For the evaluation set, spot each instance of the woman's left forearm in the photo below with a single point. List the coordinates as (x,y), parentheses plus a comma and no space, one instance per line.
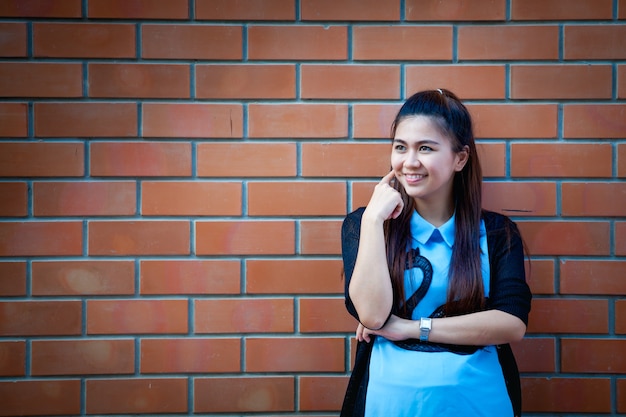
(491,327)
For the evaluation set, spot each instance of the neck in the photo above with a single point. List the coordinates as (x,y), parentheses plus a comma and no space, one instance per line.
(435,214)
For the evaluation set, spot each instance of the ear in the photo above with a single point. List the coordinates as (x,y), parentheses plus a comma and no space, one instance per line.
(461,158)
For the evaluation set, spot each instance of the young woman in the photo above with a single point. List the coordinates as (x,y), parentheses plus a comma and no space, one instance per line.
(436,283)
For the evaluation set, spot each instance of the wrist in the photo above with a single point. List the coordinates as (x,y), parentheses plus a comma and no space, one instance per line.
(425,328)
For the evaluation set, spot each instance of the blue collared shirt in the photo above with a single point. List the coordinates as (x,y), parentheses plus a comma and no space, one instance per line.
(405,383)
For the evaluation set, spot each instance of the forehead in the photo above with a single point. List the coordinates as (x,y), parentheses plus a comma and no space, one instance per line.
(420,128)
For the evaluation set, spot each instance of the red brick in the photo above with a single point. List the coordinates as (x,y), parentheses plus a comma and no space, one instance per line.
(142,237)
(140,159)
(54,278)
(84,198)
(85,119)
(520,198)
(136,396)
(297,43)
(236,159)
(37,79)
(457,10)
(138,9)
(299,354)
(296,198)
(508,42)
(250,10)
(298,121)
(620,238)
(294,276)
(40,318)
(13,120)
(621,80)
(595,121)
(41,8)
(84,40)
(566,237)
(562,10)
(13,199)
(535,354)
(466,81)
(345,159)
(361,194)
(350,10)
(195,120)
(593,356)
(245,238)
(82,357)
(593,199)
(234,315)
(621,383)
(191,42)
(561,81)
(40,397)
(320,237)
(238,81)
(350,81)
(136,316)
(540,276)
(139,80)
(35,238)
(325,315)
(620,316)
(192,198)
(569,316)
(373,120)
(190,355)
(561,160)
(322,393)
(167,277)
(621,161)
(622,9)
(566,395)
(402,43)
(589,42)
(514,120)
(12,358)
(40,159)
(492,156)
(12,280)
(244,394)
(13,40)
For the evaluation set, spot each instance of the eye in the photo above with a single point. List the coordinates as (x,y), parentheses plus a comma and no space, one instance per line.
(425,148)
(399,147)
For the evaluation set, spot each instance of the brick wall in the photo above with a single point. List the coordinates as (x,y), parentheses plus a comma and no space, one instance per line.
(173,175)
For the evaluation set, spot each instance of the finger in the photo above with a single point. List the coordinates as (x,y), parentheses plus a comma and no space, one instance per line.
(387,178)
(359,333)
(398,210)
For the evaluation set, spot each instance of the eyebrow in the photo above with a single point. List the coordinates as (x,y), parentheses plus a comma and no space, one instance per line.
(418,143)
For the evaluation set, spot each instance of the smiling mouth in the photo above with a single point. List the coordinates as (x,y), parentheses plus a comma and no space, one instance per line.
(413,177)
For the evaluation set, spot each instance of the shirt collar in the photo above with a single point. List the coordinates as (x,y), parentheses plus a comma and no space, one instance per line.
(422,231)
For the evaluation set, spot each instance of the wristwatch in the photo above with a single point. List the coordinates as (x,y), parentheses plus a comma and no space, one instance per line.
(425,326)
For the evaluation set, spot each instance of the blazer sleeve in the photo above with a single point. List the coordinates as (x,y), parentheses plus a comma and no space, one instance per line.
(509,291)
(350,233)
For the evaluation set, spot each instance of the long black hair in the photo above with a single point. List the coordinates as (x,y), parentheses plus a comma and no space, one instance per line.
(465,289)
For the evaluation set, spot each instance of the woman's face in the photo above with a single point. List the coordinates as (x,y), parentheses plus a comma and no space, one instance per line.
(423,160)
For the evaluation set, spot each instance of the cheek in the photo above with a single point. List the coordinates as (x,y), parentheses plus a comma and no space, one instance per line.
(396,162)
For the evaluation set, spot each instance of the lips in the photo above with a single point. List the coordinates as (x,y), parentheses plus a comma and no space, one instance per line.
(413,178)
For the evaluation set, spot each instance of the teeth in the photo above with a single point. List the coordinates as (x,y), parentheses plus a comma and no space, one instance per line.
(414,176)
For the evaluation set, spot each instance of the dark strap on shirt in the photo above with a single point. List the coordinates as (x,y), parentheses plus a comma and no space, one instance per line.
(415,260)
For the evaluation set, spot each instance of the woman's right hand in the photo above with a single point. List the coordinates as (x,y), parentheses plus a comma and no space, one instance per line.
(386,202)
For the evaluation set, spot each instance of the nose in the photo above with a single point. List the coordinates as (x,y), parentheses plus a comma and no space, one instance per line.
(412,159)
